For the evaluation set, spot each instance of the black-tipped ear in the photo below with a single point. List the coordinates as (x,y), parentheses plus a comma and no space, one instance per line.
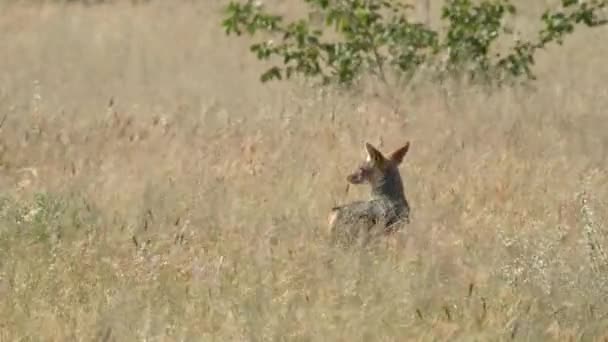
(398,155)
(373,154)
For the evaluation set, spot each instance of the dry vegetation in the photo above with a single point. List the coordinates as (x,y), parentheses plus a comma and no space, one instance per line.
(152,189)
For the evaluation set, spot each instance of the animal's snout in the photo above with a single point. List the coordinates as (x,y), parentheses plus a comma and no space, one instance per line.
(358,176)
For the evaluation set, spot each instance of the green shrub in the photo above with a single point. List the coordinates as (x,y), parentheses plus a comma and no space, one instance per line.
(45,218)
(373,36)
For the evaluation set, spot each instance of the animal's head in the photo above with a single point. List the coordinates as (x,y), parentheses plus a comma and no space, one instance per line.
(376,166)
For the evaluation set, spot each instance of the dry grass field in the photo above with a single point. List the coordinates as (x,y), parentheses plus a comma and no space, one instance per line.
(153,190)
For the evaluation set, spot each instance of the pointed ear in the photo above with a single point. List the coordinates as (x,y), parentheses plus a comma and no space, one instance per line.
(398,155)
(373,154)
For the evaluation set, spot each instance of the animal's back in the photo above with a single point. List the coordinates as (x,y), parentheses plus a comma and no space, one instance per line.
(362,219)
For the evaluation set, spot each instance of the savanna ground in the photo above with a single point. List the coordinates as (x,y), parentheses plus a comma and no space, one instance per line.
(153,189)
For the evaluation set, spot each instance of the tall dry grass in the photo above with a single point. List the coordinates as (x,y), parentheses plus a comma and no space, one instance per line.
(152,189)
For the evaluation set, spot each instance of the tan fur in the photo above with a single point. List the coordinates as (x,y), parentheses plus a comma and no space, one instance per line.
(331,220)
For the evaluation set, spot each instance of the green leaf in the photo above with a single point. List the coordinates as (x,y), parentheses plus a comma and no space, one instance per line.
(273,73)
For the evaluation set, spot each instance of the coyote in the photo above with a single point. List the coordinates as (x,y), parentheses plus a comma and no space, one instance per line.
(384,211)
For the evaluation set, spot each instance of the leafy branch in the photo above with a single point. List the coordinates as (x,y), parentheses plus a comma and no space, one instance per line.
(354,37)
